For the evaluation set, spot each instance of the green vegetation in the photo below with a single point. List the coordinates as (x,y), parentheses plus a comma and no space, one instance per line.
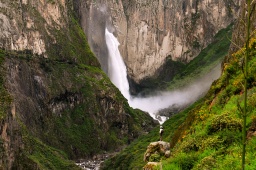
(207,59)
(208,135)
(5,101)
(132,156)
(214,138)
(245,71)
(78,130)
(38,155)
(72,48)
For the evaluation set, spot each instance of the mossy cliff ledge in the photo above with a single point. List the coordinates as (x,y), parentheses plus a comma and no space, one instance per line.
(56,103)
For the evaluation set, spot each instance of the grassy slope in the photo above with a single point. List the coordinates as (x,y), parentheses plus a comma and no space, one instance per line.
(213,141)
(50,158)
(5,99)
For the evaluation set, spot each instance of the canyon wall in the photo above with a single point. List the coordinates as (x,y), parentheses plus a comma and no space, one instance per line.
(150,32)
(56,104)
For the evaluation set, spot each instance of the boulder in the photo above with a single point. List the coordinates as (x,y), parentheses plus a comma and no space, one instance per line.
(160,147)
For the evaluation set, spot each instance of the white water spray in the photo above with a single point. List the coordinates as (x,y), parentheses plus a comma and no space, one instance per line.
(116,67)
(118,76)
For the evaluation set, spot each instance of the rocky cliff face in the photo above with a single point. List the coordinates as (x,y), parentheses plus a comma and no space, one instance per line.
(55,103)
(150,31)
(20,28)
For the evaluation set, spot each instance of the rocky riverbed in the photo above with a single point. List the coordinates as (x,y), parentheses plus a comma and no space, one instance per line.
(95,162)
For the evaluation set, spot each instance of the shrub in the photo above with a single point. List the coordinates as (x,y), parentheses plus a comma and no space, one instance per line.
(229,137)
(206,163)
(211,142)
(224,121)
(185,162)
(189,145)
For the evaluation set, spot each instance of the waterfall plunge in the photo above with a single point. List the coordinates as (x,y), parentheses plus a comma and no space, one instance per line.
(118,76)
(116,67)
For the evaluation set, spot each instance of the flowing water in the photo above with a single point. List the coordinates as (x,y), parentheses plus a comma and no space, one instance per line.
(116,67)
(152,104)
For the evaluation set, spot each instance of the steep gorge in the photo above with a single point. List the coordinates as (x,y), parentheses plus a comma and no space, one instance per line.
(56,103)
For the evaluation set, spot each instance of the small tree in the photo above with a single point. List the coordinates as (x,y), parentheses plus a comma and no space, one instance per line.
(244,111)
(245,81)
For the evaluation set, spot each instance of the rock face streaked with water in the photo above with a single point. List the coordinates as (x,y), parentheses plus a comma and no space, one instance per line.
(150,31)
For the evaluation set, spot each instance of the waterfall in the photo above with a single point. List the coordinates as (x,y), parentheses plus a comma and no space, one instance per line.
(116,67)
(152,104)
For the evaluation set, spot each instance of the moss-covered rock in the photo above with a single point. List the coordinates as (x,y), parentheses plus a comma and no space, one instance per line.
(156,150)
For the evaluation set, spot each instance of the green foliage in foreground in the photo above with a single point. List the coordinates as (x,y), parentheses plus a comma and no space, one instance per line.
(214,139)
(207,59)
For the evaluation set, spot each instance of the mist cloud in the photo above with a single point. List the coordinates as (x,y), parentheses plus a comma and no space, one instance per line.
(180,97)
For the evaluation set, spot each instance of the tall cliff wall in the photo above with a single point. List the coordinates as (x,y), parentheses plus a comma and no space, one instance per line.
(55,102)
(150,31)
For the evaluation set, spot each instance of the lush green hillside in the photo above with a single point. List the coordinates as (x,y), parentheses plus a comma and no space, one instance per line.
(47,138)
(214,139)
(210,137)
